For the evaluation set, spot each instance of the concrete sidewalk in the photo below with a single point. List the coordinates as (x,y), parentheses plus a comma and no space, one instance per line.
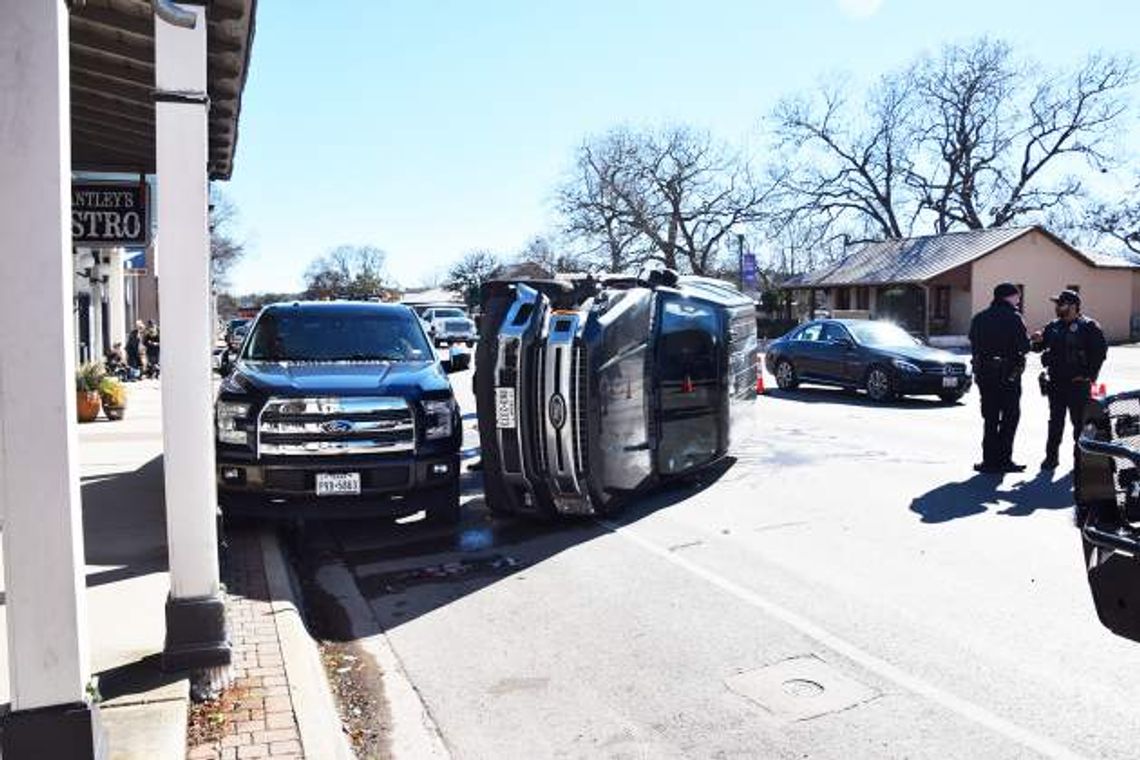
(145,711)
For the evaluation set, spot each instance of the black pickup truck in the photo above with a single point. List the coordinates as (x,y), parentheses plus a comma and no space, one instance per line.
(591,391)
(337,409)
(1106,488)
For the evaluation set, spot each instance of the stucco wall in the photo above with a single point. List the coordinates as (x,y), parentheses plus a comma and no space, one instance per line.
(958,280)
(1044,268)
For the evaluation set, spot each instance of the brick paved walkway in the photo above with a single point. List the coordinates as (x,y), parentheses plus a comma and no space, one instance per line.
(254,717)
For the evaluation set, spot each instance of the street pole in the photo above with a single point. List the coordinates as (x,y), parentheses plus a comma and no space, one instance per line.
(740,259)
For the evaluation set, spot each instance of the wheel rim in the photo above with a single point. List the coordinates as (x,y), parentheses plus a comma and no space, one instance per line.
(784,374)
(878,384)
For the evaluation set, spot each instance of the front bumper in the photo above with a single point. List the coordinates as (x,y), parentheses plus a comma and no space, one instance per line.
(390,486)
(930,384)
(454,337)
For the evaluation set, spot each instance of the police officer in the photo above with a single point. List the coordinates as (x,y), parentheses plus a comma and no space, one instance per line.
(999,342)
(1074,349)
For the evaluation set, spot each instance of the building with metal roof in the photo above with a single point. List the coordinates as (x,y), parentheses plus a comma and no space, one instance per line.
(934,284)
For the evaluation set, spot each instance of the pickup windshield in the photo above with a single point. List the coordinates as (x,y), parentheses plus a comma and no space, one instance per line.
(331,337)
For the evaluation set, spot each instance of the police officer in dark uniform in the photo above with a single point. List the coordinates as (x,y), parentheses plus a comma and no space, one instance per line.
(1074,350)
(999,342)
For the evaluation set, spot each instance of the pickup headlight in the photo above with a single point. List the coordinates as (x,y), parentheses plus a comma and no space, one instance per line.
(437,416)
(229,414)
(905,366)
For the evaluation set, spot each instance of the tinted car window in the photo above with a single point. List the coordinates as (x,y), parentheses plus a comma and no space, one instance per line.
(833,332)
(332,336)
(810,333)
(448,314)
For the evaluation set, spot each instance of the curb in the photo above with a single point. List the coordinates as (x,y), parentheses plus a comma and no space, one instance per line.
(313,706)
(414,733)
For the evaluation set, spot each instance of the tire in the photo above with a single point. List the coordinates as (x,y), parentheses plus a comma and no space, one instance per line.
(786,378)
(880,384)
(446,510)
(951,398)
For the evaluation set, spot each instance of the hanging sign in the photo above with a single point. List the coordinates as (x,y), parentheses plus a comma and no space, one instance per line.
(107,215)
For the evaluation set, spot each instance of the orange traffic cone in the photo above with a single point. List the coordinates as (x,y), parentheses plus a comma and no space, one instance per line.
(1098,391)
(759,383)
(687,386)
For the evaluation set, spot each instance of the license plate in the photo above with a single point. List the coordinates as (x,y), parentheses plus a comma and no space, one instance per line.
(338,483)
(505,408)
(949,382)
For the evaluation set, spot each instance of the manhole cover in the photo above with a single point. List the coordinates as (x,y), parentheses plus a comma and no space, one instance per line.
(800,689)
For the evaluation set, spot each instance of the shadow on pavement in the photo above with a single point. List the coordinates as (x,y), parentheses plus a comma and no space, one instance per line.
(853,398)
(139,677)
(407,570)
(124,523)
(979,493)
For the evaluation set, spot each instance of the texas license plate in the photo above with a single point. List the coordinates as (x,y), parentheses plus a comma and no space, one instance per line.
(505,408)
(949,382)
(338,483)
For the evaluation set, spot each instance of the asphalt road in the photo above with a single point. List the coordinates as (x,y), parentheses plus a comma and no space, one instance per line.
(847,588)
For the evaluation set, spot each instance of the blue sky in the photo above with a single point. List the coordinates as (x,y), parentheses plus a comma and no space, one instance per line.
(433,127)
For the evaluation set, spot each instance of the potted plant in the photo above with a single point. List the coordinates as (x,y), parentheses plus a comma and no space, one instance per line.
(113,394)
(87,379)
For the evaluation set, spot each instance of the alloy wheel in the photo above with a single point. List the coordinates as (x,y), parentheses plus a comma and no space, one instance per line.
(785,375)
(878,385)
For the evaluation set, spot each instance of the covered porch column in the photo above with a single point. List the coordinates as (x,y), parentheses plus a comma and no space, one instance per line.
(116,295)
(39,482)
(196,636)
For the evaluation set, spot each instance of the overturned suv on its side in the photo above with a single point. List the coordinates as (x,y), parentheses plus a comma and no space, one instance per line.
(590,391)
(337,409)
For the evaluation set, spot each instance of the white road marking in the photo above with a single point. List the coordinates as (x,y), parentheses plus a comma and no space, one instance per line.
(880,667)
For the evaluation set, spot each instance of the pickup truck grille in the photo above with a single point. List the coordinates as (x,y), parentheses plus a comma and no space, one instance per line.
(335,426)
(457,326)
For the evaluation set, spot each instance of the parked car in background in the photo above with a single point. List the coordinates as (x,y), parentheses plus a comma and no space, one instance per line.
(879,357)
(337,409)
(233,326)
(447,325)
(235,334)
(591,392)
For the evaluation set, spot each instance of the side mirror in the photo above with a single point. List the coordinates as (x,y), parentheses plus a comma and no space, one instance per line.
(457,361)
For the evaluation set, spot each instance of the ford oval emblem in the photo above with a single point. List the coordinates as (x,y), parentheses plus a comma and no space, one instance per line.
(557,411)
(337,426)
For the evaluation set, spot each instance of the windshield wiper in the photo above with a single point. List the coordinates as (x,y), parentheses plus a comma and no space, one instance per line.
(373,358)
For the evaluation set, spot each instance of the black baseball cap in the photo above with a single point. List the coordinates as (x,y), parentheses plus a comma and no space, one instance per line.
(1067,296)
(1005,290)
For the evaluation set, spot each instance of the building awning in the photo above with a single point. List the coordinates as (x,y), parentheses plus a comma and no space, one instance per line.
(112,83)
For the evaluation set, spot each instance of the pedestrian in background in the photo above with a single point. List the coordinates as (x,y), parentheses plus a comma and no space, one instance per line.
(999,342)
(1073,350)
(136,356)
(151,342)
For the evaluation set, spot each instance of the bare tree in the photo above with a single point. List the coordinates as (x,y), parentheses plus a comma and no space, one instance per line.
(225,248)
(468,274)
(348,271)
(673,196)
(594,213)
(971,138)
(1117,221)
(844,174)
(543,251)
